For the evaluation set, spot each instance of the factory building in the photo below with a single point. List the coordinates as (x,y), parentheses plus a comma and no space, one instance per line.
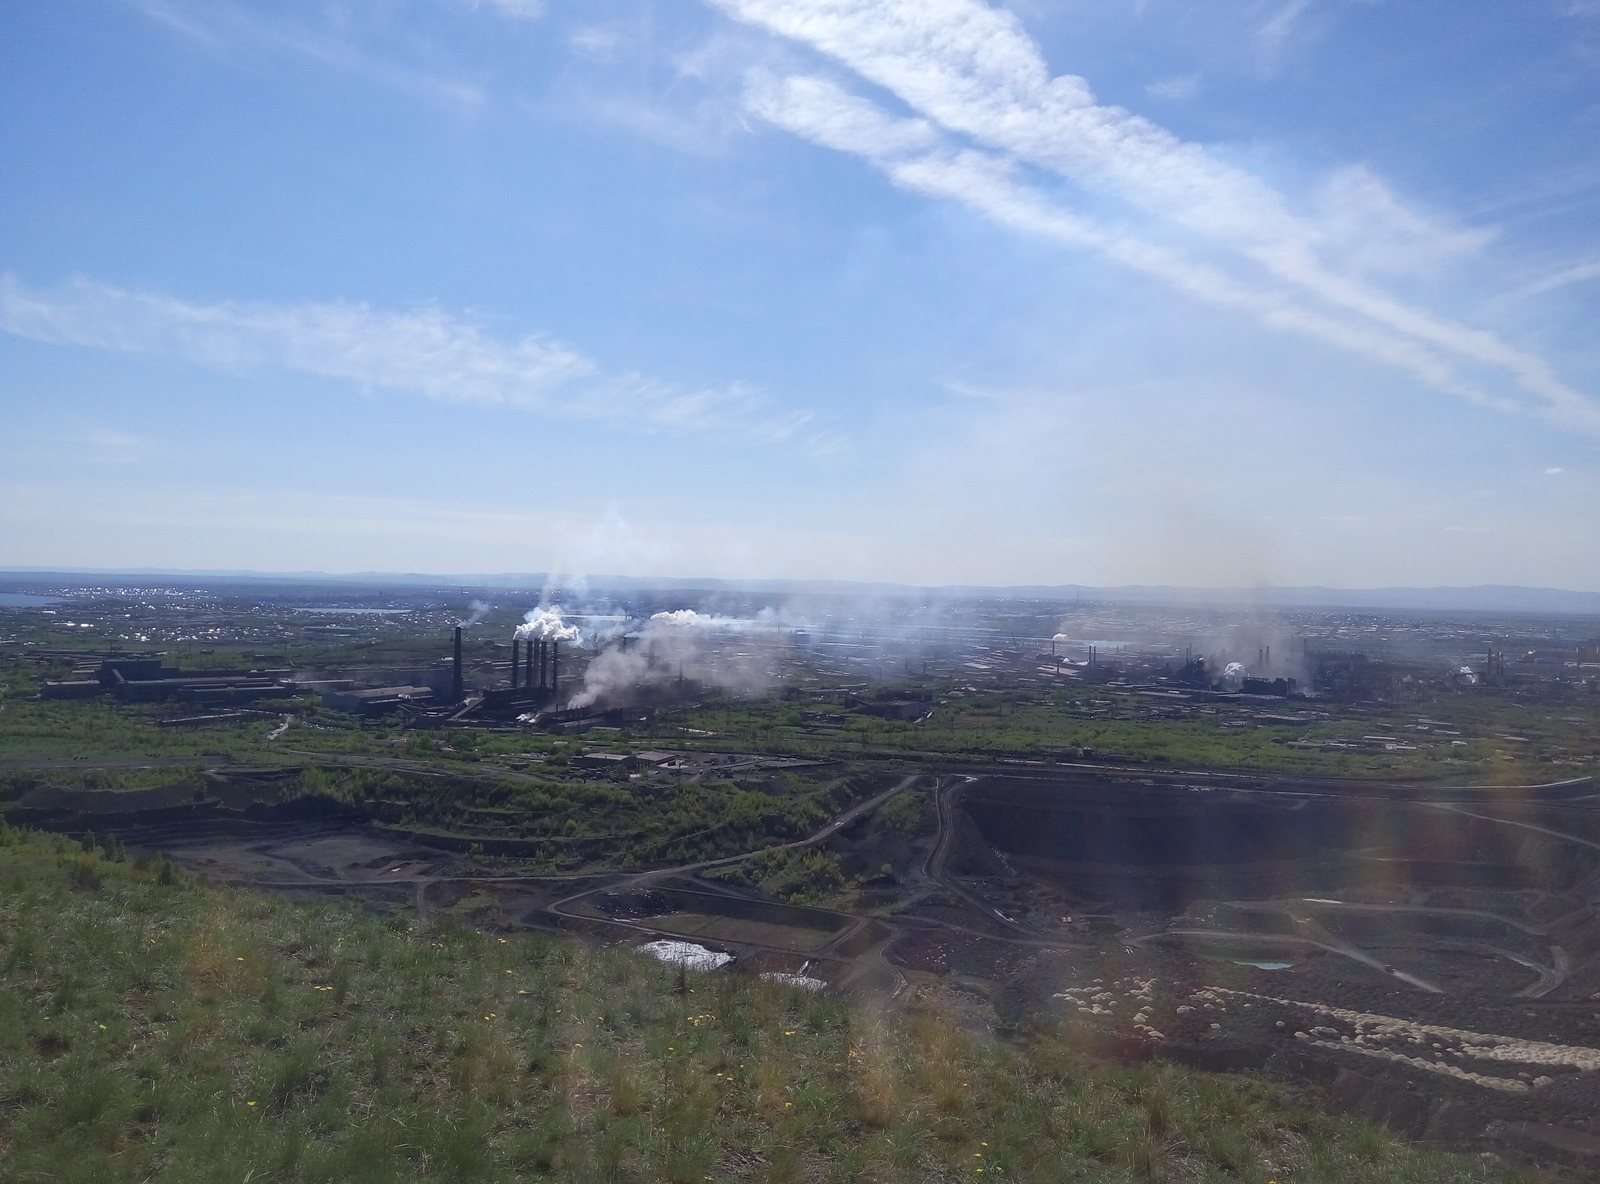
(143,679)
(377,700)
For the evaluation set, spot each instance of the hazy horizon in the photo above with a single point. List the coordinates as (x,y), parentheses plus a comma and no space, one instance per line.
(553,586)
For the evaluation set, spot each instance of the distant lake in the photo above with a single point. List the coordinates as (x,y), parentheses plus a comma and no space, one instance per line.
(371,611)
(21,600)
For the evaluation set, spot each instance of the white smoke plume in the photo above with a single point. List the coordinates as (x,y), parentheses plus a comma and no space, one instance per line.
(688,618)
(476,611)
(545,624)
(675,644)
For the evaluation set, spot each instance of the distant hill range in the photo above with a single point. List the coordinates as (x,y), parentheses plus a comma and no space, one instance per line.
(1503,598)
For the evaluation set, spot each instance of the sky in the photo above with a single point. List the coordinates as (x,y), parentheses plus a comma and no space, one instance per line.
(1242,293)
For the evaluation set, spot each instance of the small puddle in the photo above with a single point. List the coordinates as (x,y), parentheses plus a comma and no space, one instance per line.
(1264,965)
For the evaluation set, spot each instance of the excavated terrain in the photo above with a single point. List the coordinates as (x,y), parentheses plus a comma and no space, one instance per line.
(1431,955)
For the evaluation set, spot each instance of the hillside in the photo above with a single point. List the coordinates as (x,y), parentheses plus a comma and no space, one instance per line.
(169,1030)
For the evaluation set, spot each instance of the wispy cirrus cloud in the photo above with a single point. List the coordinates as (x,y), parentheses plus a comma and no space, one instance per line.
(227,27)
(426,352)
(522,10)
(1576,274)
(1270,39)
(991,124)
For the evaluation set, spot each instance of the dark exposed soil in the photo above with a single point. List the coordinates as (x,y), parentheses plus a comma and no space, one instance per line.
(1430,958)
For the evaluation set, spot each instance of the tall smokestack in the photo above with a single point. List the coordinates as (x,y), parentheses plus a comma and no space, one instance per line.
(544,650)
(555,666)
(528,681)
(457,687)
(516,661)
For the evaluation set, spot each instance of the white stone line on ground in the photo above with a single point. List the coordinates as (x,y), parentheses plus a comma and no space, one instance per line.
(1479,1045)
(1505,1084)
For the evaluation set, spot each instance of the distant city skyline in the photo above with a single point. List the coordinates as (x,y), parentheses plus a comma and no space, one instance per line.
(1296,293)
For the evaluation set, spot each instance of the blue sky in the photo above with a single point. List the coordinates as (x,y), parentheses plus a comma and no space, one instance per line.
(1287,292)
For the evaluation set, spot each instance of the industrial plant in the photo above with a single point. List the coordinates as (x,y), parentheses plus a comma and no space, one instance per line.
(1213,836)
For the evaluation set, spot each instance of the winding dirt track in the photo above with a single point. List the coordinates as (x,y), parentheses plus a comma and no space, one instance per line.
(851,924)
(871,965)
(867,966)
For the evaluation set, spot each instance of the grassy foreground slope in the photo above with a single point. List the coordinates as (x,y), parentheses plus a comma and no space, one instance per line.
(171,1031)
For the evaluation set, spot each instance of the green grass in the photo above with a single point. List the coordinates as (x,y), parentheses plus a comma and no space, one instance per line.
(563,819)
(1559,725)
(184,1033)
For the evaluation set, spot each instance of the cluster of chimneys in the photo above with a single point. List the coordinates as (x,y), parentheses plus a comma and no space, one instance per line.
(549,666)
(549,657)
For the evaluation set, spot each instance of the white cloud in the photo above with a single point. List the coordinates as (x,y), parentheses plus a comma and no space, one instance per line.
(1275,33)
(111,446)
(596,41)
(524,10)
(1554,472)
(990,110)
(1362,221)
(426,352)
(915,156)
(1179,89)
